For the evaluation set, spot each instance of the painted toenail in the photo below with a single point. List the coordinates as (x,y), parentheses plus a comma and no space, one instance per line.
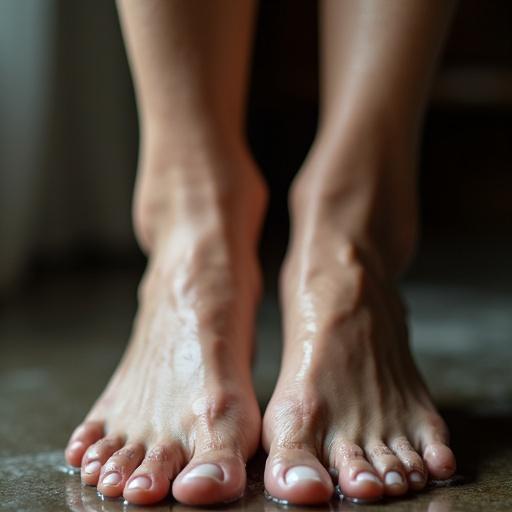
(416,477)
(141,482)
(298,474)
(366,476)
(111,479)
(206,471)
(92,467)
(75,446)
(393,478)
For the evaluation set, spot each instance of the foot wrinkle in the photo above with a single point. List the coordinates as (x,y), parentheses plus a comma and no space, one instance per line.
(198,297)
(364,375)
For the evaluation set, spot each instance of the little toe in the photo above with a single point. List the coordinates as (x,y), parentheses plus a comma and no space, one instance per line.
(389,468)
(214,476)
(151,481)
(84,435)
(297,476)
(439,460)
(411,461)
(438,457)
(96,455)
(119,468)
(358,479)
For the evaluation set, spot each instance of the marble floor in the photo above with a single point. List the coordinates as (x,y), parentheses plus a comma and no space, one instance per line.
(60,340)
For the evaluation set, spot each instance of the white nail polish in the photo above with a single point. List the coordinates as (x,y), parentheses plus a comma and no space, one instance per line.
(299,474)
(111,479)
(416,477)
(366,476)
(92,453)
(393,478)
(206,471)
(141,482)
(92,467)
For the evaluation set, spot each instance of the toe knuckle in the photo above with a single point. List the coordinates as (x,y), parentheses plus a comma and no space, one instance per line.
(379,451)
(348,451)
(158,454)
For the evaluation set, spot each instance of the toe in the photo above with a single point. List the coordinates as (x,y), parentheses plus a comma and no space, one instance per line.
(297,476)
(440,460)
(214,476)
(389,468)
(358,479)
(438,457)
(150,482)
(96,455)
(84,435)
(411,461)
(119,468)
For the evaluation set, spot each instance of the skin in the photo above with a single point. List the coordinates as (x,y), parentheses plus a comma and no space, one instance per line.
(182,395)
(349,396)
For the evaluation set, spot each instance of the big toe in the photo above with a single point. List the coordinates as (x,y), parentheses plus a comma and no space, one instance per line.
(297,476)
(440,460)
(216,476)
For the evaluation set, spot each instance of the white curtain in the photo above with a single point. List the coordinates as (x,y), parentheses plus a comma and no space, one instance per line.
(67,132)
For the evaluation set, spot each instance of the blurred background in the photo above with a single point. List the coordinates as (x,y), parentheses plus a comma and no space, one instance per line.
(69,264)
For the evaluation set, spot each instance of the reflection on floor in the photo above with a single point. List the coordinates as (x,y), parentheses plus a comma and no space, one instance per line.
(59,344)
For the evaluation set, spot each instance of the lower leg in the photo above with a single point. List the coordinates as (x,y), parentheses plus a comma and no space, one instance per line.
(349,395)
(181,407)
(376,68)
(190,65)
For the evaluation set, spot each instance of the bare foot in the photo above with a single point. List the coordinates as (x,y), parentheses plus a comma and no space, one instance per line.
(349,396)
(180,407)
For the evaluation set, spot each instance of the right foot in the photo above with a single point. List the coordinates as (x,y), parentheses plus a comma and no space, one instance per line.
(180,406)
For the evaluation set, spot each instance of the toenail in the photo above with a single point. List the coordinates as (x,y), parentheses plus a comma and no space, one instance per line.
(92,467)
(92,453)
(141,482)
(111,479)
(76,446)
(393,478)
(206,471)
(366,476)
(416,477)
(298,474)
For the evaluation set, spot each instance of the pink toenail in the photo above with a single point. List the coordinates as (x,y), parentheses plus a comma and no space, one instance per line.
(75,446)
(416,477)
(366,476)
(206,471)
(393,478)
(111,479)
(92,467)
(300,474)
(141,482)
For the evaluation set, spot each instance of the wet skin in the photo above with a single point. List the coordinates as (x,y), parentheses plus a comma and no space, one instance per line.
(180,408)
(349,396)
(180,412)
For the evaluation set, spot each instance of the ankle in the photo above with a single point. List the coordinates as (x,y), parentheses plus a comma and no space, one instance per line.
(366,198)
(212,182)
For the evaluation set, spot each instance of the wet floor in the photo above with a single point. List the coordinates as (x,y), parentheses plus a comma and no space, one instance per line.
(60,342)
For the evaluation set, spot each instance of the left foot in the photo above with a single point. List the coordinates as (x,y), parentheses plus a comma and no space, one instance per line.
(349,395)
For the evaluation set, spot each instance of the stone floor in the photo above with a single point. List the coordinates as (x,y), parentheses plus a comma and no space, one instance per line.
(60,341)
